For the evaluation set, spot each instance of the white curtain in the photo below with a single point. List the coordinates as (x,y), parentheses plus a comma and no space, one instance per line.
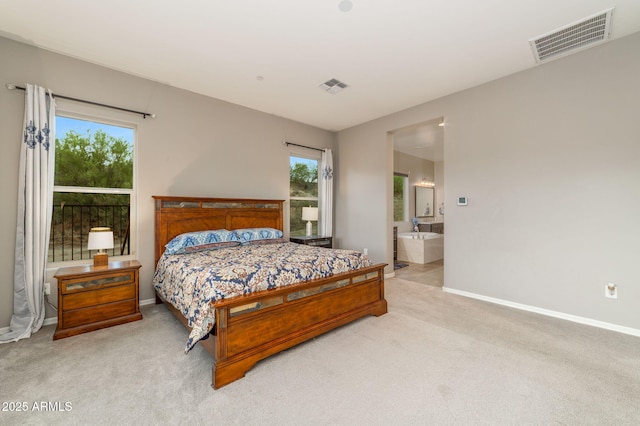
(35,193)
(325,224)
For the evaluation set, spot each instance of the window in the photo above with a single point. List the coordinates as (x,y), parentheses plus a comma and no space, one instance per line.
(303,192)
(400,197)
(93,186)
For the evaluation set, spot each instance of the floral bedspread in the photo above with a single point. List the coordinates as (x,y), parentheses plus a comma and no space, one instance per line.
(190,282)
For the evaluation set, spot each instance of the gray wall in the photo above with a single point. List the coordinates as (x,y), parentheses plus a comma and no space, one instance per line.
(550,161)
(196,146)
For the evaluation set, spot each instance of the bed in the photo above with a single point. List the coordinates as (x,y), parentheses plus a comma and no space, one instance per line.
(250,327)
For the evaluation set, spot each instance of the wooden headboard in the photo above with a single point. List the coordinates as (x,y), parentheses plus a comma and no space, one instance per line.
(177,215)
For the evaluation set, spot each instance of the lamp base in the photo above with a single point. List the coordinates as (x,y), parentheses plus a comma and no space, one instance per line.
(101,259)
(309,228)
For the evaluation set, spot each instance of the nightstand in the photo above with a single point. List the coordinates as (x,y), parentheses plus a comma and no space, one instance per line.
(94,297)
(313,240)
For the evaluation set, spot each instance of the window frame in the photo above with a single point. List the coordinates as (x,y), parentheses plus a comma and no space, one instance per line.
(133,210)
(307,156)
(405,196)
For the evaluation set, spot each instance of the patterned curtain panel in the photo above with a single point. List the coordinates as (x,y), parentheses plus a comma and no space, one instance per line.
(35,195)
(325,189)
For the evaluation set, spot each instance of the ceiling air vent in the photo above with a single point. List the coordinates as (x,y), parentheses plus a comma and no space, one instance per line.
(585,33)
(333,86)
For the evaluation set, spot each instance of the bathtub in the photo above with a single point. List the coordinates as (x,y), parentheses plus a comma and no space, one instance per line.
(420,247)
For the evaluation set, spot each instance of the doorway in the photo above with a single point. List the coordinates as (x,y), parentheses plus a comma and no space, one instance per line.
(418,153)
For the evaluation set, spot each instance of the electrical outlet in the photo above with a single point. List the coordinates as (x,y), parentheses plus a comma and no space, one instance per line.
(365,251)
(611,291)
(47,289)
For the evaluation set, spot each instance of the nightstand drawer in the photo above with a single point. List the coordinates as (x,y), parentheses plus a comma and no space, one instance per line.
(98,313)
(84,284)
(99,297)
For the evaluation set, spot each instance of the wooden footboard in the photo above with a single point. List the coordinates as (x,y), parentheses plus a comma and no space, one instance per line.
(253,327)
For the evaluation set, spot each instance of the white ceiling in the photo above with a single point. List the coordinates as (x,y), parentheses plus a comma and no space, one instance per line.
(393,54)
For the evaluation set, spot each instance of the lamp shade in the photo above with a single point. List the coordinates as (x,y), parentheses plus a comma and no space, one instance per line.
(309,213)
(100,239)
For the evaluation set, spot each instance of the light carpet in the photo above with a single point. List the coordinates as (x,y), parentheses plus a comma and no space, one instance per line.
(434,359)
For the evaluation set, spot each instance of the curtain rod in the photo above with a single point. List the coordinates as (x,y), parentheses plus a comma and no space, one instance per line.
(301,146)
(143,114)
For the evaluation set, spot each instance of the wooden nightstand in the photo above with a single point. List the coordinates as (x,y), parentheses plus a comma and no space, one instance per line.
(313,240)
(93,297)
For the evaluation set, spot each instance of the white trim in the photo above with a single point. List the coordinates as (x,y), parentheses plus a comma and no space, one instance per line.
(547,312)
(304,153)
(76,112)
(54,266)
(147,302)
(93,190)
(54,320)
(47,321)
(304,156)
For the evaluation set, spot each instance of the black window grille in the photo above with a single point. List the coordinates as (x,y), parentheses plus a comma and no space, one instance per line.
(70,230)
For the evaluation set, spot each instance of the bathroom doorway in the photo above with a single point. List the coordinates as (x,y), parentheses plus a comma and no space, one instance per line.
(418,154)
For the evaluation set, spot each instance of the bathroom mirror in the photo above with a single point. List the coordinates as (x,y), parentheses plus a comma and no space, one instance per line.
(424,201)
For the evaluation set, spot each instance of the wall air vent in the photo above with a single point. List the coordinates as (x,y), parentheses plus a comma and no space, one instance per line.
(333,86)
(580,35)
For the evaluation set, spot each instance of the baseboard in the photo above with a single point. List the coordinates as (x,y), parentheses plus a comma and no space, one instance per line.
(54,320)
(47,321)
(547,312)
(147,302)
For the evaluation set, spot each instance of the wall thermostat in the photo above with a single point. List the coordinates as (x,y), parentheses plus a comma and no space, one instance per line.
(462,201)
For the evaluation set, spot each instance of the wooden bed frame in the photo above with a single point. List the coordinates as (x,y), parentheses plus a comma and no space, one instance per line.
(252,327)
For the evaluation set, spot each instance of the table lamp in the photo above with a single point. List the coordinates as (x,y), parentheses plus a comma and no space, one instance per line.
(309,214)
(100,239)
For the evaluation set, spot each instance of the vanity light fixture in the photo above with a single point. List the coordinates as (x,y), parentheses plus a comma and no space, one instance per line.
(426,183)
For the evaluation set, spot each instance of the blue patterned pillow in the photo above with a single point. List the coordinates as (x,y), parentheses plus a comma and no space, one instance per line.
(191,241)
(251,234)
